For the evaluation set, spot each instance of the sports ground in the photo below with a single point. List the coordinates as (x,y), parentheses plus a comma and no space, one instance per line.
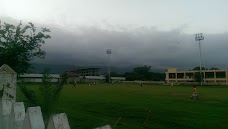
(129,106)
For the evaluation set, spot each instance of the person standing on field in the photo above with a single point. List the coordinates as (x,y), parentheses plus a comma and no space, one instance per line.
(194,93)
(74,84)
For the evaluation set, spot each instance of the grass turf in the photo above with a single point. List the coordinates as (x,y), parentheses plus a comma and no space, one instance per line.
(147,107)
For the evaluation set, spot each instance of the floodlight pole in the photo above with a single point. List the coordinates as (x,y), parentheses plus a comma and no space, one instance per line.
(199,37)
(109,53)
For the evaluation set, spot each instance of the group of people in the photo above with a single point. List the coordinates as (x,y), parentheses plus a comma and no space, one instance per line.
(194,94)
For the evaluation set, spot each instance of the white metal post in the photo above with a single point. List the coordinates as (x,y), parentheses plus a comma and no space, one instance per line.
(109,52)
(200,64)
(109,68)
(199,37)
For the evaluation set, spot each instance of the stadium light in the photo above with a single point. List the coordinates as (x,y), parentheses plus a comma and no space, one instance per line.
(109,53)
(199,37)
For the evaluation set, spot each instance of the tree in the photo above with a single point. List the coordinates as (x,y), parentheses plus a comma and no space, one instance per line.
(138,73)
(197,77)
(107,78)
(48,94)
(213,68)
(198,68)
(21,44)
(115,74)
(143,73)
(142,70)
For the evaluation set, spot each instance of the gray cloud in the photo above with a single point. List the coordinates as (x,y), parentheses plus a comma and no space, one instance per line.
(86,45)
(142,46)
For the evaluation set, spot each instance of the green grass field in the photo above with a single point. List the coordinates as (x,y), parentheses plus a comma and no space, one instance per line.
(147,107)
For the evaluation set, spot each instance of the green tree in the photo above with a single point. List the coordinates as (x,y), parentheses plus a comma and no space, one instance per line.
(143,73)
(157,76)
(142,70)
(21,44)
(106,77)
(197,77)
(198,68)
(115,74)
(138,73)
(48,94)
(213,68)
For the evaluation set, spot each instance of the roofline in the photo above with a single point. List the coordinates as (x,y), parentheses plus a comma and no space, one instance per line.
(199,71)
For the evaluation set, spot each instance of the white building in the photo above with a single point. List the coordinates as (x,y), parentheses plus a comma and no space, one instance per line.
(37,78)
(118,79)
(71,78)
(100,78)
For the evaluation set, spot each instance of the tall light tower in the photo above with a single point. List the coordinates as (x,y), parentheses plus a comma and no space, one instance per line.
(109,53)
(199,37)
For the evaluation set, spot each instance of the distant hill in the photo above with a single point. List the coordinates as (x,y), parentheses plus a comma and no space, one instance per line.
(60,69)
(56,69)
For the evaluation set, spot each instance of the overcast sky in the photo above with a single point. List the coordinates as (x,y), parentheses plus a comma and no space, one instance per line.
(159,33)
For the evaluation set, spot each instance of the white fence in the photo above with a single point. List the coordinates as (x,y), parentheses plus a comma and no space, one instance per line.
(12,113)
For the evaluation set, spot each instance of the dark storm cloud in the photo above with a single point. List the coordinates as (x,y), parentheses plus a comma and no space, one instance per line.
(141,46)
(86,45)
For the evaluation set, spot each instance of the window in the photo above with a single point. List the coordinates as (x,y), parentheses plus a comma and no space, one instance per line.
(172,75)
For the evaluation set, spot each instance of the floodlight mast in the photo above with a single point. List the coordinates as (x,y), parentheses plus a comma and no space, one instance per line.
(109,53)
(199,37)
